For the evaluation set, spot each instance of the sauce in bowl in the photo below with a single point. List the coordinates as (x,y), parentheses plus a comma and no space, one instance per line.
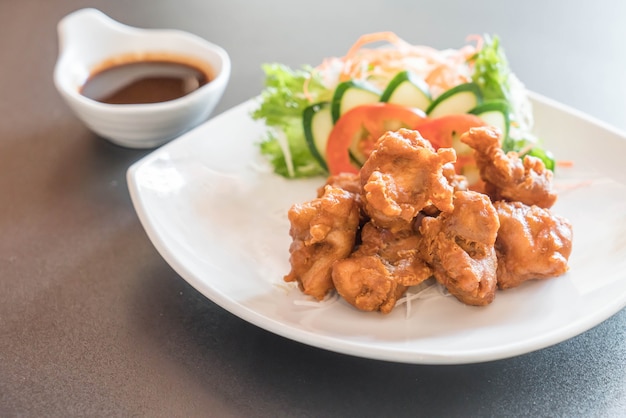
(150,78)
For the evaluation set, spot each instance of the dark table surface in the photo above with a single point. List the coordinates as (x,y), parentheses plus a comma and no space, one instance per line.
(93,322)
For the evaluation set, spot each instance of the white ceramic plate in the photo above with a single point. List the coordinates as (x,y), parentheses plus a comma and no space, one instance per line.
(218,217)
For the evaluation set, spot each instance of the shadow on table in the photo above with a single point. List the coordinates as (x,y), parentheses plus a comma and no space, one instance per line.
(264,374)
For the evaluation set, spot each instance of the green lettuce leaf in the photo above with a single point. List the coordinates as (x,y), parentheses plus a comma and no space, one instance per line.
(282,103)
(492,71)
(497,82)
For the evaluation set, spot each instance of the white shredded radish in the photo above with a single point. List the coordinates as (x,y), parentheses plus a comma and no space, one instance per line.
(314,303)
(425,290)
(285,287)
(281,138)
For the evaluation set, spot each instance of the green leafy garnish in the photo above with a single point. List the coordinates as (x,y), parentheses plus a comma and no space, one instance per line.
(491,70)
(544,155)
(282,102)
(497,82)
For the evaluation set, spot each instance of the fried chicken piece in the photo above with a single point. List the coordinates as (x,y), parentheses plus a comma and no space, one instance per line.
(457,181)
(399,250)
(350,182)
(323,231)
(507,176)
(365,283)
(459,246)
(403,175)
(378,273)
(532,243)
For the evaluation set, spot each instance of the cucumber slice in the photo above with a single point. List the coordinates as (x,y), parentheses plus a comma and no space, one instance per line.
(356,156)
(457,100)
(350,94)
(355,149)
(317,122)
(495,113)
(408,90)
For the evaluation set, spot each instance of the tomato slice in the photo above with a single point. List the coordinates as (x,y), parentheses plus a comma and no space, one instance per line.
(444,131)
(360,128)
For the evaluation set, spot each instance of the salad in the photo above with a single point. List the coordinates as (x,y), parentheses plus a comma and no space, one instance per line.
(326,119)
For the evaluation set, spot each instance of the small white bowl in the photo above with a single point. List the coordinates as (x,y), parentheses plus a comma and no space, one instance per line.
(88,38)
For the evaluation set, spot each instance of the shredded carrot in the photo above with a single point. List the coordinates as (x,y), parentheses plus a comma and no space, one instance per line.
(390,37)
(477,38)
(305,89)
(440,69)
(445,77)
(565,163)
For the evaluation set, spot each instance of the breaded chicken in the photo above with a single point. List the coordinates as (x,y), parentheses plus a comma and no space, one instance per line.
(532,243)
(506,175)
(407,216)
(378,273)
(323,231)
(457,181)
(403,175)
(350,182)
(459,246)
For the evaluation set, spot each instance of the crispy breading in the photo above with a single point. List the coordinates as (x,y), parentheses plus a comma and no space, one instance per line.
(378,273)
(459,245)
(402,176)
(532,243)
(323,231)
(506,175)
